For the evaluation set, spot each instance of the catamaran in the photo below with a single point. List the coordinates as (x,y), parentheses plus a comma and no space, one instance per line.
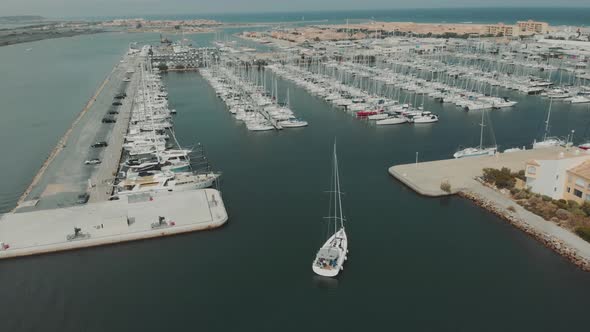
(480,150)
(330,258)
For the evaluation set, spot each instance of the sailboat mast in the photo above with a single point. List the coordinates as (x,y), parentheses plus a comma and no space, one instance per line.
(548,117)
(339,214)
(483,112)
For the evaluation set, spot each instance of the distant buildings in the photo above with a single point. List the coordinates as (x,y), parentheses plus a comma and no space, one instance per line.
(522,28)
(531,27)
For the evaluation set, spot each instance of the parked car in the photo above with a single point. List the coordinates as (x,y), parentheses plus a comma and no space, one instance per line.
(117,103)
(92,162)
(108,120)
(100,144)
(113,112)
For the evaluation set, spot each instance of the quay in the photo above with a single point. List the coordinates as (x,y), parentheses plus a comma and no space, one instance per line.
(128,219)
(67,205)
(425,178)
(64,175)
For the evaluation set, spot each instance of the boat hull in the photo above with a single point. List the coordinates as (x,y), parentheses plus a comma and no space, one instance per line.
(338,241)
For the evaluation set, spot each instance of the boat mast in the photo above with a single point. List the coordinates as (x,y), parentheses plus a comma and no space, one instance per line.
(339,214)
(483,112)
(548,117)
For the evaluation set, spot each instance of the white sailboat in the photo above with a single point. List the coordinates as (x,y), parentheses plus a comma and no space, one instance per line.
(548,142)
(480,150)
(330,258)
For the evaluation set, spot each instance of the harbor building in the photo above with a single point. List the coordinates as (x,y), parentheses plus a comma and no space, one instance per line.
(531,27)
(556,177)
(499,29)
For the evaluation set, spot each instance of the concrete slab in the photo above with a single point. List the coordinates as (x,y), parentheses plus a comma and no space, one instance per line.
(425,178)
(44,231)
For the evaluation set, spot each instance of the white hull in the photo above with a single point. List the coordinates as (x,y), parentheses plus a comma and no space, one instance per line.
(474,152)
(391,121)
(338,244)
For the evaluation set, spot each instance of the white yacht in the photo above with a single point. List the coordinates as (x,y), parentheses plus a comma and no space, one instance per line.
(330,258)
(165,181)
(425,117)
(392,121)
(480,150)
(293,123)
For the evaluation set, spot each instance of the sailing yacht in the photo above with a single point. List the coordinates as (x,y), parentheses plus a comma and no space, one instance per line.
(330,258)
(548,142)
(477,151)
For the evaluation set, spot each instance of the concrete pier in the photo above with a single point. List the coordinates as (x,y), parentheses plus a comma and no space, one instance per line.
(64,176)
(109,222)
(426,178)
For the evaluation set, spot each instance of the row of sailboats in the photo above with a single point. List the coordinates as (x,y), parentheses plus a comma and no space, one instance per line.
(481,150)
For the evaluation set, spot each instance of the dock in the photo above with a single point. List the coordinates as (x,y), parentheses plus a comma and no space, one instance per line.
(109,222)
(426,178)
(68,206)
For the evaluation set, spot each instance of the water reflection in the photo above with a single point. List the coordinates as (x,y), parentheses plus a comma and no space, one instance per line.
(325,282)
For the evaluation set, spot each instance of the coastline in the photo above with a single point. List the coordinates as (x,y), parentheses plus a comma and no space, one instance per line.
(522,223)
(44,36)
(60,144)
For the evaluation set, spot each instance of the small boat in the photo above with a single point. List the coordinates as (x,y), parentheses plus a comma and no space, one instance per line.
(330,258)
(392,121)
(426,117)
(378,116)
(362,114)
(293,123)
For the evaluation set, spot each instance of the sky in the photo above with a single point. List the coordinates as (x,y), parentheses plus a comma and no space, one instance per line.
(88,8)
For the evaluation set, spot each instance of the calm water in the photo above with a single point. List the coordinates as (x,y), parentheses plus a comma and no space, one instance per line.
(555,16)
(415,263)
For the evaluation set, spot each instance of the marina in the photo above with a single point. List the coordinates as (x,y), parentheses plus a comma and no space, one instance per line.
(178,160)
(85,183)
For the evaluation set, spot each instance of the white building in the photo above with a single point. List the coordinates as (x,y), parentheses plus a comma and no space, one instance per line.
(548,177)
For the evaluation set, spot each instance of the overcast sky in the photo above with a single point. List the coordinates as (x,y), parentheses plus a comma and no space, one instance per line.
(69,8)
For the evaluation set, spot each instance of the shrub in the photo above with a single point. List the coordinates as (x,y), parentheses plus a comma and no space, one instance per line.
(583,232)
(578,212)
(522,195)
(501,178)
(445,186)
(562,204)
(572,204)
(546,198)
(511,208)
(514,191)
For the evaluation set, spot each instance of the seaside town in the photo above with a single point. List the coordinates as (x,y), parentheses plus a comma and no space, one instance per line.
(439,147)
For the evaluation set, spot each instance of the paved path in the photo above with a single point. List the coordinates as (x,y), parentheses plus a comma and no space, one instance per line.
(64,176)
